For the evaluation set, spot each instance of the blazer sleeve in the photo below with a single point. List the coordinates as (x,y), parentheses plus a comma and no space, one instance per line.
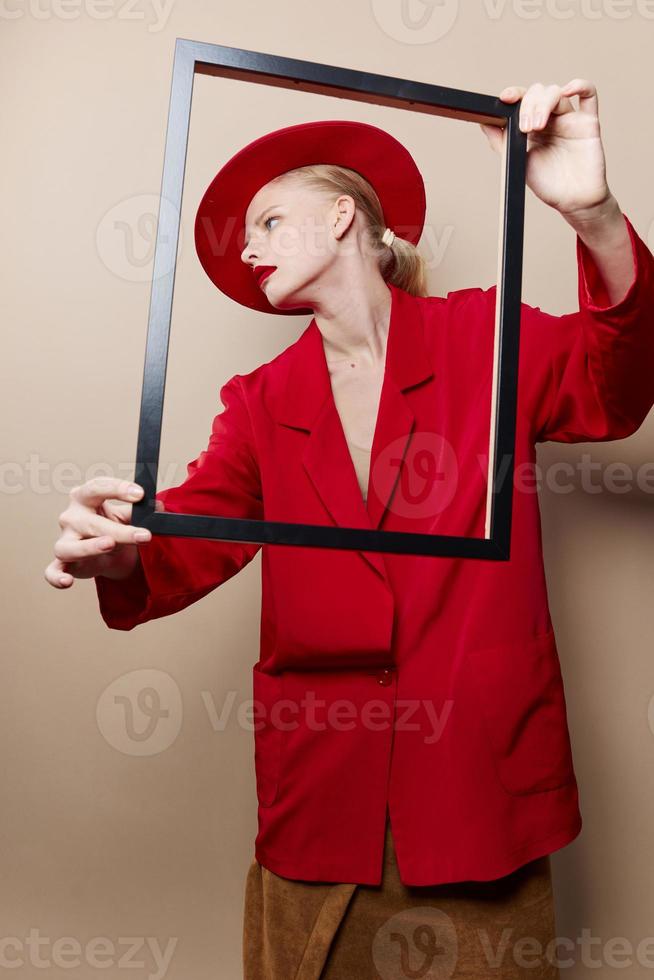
(173,571)
(590,375)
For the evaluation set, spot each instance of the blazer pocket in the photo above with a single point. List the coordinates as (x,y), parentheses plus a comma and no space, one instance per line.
(266,690)
(520,695)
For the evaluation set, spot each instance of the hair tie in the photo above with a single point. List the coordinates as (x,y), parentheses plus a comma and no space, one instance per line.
(388,237)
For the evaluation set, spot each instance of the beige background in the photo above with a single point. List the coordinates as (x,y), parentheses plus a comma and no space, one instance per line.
(109,829)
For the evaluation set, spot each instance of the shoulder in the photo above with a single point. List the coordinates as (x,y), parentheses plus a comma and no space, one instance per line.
(474,303)
(270,378)
(467,296)
(461,322)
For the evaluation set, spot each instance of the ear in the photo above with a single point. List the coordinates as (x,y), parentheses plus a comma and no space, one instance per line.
(343,211)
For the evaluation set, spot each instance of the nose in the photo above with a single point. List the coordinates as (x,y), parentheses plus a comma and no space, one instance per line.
(251,253)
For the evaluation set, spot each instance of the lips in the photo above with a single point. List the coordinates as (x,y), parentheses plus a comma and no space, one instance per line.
(262,272)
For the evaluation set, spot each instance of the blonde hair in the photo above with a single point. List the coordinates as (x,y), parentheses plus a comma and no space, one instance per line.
(400,263)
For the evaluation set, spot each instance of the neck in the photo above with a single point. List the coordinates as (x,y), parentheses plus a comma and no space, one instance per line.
(354,324)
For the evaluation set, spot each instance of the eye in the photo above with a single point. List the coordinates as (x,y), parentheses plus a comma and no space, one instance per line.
(272,217)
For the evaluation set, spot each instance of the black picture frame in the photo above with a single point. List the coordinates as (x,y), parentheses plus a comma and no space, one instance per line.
(193,57)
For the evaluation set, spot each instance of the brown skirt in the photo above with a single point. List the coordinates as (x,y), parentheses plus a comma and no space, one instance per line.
(477,930)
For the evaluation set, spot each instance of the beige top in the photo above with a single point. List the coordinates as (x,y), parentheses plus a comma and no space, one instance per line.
(356,397)
(361,459)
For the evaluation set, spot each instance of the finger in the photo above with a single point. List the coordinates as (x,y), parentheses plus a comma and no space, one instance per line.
(69,547)
(587,92)
(540,103)
(95,491)
(512,93)
(123,512)
(117,512)
(529,97)
(529,107)
(550,103)
(562,106)
(57,576)
(85,523)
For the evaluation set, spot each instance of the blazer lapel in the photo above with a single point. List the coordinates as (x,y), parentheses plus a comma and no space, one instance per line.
(306,402)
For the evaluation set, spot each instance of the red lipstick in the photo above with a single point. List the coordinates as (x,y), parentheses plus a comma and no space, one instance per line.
(262,272)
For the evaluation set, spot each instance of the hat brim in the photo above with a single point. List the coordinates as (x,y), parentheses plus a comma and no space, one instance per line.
(372,152)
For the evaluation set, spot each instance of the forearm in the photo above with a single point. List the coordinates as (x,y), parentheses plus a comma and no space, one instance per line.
(593,371)
(604,231)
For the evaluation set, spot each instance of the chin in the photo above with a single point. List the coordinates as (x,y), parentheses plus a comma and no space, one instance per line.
(283,300)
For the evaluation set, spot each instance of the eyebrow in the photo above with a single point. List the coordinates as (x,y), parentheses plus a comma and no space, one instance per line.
(261,214)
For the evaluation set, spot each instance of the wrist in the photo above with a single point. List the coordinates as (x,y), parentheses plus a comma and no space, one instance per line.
(121,563)
(605,211)
(599,226)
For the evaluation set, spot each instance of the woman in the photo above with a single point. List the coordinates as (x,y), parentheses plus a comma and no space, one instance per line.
(479,783)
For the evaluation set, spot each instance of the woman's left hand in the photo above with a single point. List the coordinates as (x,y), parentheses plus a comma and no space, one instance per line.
(565,157)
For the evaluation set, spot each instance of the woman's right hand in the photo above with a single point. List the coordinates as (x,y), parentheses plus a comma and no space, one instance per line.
(96,536)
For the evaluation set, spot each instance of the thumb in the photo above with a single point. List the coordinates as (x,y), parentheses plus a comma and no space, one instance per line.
(123,512)
(494,135)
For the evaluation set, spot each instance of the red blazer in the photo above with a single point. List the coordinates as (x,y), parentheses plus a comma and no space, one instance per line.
(428,684)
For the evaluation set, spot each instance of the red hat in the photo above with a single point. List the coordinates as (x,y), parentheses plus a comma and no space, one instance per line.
(375,154)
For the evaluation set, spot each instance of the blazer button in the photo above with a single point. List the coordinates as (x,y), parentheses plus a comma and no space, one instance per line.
(385,677)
